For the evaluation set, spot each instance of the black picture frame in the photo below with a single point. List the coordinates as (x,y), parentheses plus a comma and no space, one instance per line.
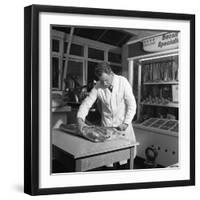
(31,98)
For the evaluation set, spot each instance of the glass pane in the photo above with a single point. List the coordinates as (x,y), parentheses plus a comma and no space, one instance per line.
(55,72)
(95,54)
(114,57)
(74,73)
(159,88)
(90,74)
(77,50)
(160,70)
(55,45)
(116,69)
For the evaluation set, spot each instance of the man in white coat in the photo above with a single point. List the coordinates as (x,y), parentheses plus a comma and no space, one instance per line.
(117,101)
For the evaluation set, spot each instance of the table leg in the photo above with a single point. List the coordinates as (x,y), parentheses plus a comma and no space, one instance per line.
(78,165)
(132,155)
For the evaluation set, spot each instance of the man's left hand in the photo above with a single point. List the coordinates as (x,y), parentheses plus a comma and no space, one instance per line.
(122,127)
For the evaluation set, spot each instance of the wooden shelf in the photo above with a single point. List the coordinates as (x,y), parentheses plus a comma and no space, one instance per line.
(162,83)
(172,104)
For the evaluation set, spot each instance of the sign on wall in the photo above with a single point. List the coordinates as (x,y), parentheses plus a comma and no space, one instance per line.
(161,42)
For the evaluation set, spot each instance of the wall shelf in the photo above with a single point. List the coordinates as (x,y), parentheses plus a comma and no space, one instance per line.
(171,104)
(162,83)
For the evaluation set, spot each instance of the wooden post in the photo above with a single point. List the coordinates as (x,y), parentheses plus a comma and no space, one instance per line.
(62,41)
(139,90)
(67,56)
(130,72)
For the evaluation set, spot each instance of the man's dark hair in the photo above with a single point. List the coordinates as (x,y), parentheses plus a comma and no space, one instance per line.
(102,68)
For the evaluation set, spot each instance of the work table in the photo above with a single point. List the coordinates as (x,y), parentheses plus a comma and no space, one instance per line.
(88,155)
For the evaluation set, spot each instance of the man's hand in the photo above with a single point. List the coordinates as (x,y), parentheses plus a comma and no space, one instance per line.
(81,124)
(122,127)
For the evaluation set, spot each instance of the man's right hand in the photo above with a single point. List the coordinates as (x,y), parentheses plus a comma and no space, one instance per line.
(81,124)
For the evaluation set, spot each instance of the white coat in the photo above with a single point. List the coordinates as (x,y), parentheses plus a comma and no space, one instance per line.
(118,106)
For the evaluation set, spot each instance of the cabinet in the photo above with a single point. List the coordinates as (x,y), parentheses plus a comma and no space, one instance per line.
(156,86)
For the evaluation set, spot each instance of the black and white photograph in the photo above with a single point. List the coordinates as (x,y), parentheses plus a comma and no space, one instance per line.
(114,95)
(109,100)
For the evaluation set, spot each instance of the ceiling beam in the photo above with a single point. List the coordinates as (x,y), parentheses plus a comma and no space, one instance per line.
(102,34)
(122,38)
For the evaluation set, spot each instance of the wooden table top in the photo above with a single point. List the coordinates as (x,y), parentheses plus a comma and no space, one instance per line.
(80,147)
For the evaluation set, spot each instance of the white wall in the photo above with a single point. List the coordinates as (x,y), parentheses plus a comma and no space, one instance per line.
(11,101)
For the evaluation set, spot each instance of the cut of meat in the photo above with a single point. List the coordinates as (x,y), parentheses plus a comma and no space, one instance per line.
(92,133)
(96,134)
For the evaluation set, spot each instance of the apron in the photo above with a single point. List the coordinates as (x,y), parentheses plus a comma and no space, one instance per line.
(113,108)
